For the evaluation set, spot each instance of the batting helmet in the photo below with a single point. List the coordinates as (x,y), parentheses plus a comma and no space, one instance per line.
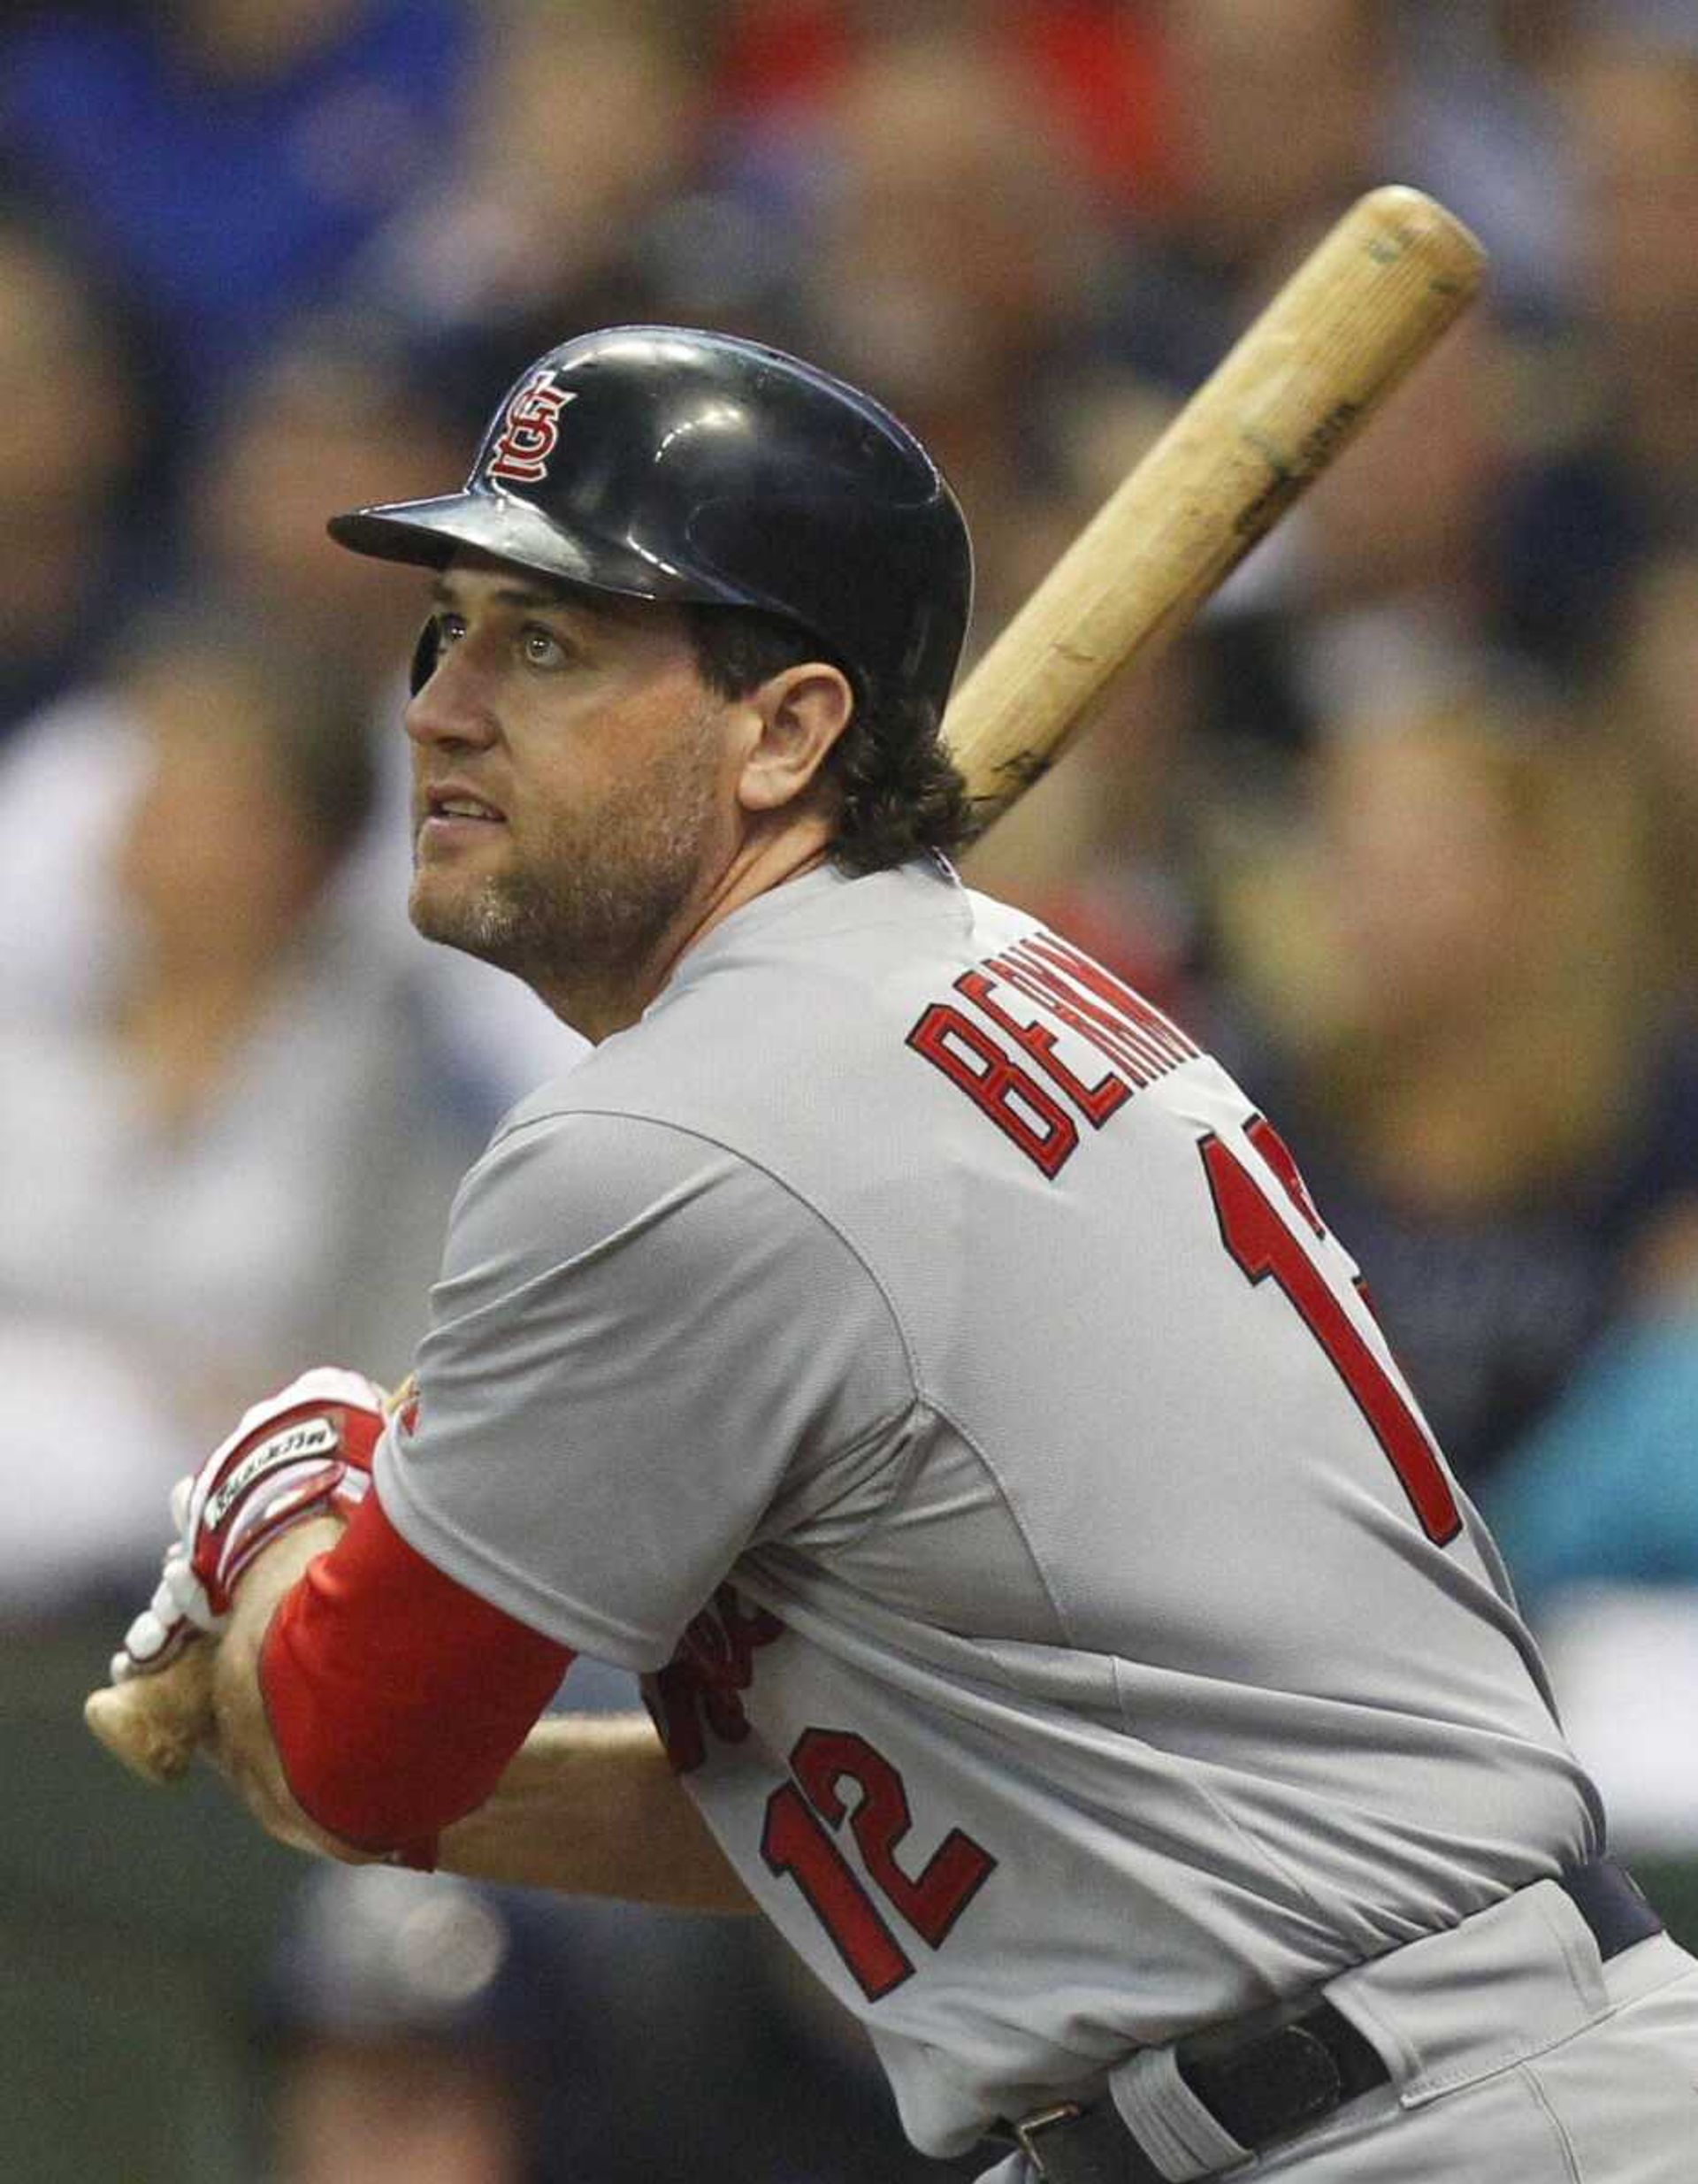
(663,463)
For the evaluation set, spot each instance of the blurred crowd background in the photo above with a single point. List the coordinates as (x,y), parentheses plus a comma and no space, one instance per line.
(1407,826)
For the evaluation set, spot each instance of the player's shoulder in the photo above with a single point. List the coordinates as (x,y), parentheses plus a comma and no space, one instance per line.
(564,1190)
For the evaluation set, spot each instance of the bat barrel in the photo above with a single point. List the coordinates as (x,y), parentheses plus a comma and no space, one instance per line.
(1362,309)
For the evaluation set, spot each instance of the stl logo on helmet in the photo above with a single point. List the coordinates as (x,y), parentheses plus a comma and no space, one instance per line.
(530,431)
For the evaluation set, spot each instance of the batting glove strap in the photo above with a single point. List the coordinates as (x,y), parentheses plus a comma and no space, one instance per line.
(181,1609)
(305,1451)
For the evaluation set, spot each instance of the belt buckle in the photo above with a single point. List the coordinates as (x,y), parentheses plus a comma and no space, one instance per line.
(1030,2128)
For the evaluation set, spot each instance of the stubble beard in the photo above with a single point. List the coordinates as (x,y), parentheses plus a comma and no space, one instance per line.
(589,910)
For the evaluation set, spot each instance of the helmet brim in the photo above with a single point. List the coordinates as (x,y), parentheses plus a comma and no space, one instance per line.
(428,534)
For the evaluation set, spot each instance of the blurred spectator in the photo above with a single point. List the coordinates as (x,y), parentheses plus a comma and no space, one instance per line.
(1596,1507)
(226,159)
(1092,68)
(327,417)
(1280,108)
(223,1157)
(328,421)
(1470,1054)
(1634,106)
(421,2027)
(1610,413)
(75,412)
(324,424)
(1404,520)
(1478,120)
(576,199)
(1652,712)
(1390,580)
(954,283)
(1280,114)
(1605,1490)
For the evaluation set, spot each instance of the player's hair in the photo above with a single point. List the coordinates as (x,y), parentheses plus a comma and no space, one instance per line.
(897,789)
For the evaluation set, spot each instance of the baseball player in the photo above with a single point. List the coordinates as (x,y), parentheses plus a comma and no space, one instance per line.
(901,1345)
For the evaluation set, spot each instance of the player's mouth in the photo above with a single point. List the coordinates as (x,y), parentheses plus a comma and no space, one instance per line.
(452,814)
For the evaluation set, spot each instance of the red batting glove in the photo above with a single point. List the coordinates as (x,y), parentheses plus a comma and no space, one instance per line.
(305,1451)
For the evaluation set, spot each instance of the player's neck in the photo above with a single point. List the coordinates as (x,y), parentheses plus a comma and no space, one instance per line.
(763,862)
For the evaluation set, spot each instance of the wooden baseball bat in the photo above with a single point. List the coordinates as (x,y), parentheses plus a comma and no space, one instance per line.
(1363,308)
(1356,316)
(154,1723)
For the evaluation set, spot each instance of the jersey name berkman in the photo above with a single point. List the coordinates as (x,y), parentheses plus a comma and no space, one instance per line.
(1033,1002)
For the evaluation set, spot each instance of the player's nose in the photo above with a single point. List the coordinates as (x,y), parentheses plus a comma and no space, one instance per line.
(449,704)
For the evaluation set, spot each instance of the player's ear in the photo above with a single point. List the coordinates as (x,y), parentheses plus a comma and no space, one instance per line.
(801,712)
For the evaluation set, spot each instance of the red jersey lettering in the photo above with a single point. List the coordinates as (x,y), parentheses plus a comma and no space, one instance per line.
(1028,1115)
(1096,1102)
(1083,999)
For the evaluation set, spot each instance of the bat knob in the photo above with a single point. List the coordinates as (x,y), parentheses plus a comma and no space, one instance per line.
(154,1724)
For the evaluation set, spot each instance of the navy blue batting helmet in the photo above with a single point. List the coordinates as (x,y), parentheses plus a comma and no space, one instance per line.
(661,463)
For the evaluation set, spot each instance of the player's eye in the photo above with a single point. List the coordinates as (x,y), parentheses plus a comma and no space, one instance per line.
(540,647)
(450,628)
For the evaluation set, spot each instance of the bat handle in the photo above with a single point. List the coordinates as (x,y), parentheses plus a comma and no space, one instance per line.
(154,1723)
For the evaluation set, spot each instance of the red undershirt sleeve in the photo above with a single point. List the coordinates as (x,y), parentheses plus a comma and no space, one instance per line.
(396,1697)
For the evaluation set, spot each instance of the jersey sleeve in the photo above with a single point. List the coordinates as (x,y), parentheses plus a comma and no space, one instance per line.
(645,1356)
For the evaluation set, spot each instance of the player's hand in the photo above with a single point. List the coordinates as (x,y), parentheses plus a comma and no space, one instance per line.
(305,1451)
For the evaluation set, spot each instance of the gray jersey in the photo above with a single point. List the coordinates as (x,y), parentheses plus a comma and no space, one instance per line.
(906,1349)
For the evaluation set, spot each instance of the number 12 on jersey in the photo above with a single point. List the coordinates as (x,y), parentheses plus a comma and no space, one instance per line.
(1263,1243)
(797,1842)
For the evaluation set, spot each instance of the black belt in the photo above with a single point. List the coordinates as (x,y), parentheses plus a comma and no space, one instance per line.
(1263,2087)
